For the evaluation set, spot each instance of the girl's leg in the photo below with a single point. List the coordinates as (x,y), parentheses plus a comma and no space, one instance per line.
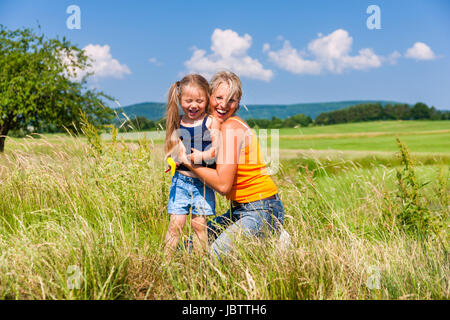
(200,233)
(176,224)
(214,228)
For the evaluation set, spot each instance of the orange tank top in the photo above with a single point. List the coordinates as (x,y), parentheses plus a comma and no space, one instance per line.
(252,181)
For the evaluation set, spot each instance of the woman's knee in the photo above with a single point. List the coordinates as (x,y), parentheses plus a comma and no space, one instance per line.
(218,224)
(276,219)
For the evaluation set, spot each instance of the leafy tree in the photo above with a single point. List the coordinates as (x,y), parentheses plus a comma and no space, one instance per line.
(276,123)
(445,115)
(297,120)
(160,124)
(259,123)
(289,123)
(38,86)
(435,114)
(420,111)
(399,112)
(365,112)
(139,123)
(322,119)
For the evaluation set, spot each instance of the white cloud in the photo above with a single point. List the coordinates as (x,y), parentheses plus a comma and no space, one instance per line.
(393,57)
(365,60)
(331,52)
(155,62)
(103,65)
(266,47)
(420,51)
(289,59)
(229,51)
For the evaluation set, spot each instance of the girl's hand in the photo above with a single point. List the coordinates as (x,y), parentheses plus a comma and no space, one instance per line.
(196,156)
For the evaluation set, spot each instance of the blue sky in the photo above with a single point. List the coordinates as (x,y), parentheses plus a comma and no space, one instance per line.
(284,51)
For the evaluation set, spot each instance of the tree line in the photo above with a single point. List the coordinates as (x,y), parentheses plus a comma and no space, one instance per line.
(375,111)
(141,123)
(357,113)
(298,120)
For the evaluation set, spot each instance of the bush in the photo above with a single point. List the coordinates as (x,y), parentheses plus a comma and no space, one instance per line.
(408,209)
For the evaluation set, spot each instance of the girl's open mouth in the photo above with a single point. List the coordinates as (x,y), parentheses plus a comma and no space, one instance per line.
(193,113)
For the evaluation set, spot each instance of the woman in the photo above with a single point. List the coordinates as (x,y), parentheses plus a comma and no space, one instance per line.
(240,173)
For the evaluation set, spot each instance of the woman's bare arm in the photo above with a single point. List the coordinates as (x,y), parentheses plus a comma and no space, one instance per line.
(221,179)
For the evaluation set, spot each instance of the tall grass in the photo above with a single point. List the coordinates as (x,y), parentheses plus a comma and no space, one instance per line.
(65,205)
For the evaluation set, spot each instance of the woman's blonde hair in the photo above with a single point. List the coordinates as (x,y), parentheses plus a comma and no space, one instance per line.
(233,81)
(173,114)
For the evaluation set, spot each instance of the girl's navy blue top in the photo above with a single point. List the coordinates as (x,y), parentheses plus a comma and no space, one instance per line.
(199,138)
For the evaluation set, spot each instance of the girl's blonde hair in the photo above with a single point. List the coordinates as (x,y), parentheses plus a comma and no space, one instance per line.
(173,114)
(233,81)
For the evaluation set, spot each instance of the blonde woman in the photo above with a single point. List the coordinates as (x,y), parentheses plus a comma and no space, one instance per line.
(240,174)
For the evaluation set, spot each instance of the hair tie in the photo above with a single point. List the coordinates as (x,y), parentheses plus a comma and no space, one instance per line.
(178,87)
(178,93)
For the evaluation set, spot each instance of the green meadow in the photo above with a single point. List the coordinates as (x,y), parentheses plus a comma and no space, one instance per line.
(85,218)
(423,142)
(375,126)
(420,136)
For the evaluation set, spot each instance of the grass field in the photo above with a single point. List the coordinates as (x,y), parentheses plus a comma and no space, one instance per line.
(437,142)
(369,127)
(420,136)
(69,213)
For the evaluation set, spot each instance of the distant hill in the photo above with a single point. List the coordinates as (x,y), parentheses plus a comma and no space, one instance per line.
(150,110)
(155,110)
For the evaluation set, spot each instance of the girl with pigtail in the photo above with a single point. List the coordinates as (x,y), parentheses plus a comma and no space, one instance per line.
(196,130)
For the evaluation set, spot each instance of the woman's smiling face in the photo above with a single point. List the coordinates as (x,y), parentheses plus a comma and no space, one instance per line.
(219,108)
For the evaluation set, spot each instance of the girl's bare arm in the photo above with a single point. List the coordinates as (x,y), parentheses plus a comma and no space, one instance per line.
(221,179)
(197,156)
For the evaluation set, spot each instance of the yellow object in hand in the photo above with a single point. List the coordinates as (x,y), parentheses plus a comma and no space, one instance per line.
(172,165)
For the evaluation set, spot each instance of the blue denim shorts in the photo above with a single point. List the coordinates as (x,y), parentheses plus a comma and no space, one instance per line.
(187,193)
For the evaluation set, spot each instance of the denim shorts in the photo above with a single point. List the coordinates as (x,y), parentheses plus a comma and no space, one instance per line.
(187,193)
(253,219)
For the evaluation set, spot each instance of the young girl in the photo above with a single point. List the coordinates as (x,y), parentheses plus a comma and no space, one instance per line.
(196,131)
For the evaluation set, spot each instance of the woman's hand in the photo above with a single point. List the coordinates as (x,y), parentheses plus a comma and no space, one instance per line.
(182,156)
